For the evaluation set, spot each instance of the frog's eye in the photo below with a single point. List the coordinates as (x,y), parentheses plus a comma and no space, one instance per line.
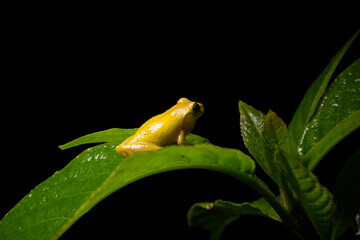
(196,107)
(183,100)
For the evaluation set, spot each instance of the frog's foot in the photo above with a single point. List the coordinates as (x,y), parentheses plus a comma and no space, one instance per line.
(129,149)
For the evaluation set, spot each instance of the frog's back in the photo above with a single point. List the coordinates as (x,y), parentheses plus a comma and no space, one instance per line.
(155,131)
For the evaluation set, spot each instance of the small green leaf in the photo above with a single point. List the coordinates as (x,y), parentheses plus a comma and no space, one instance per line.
(252,124)
(337,116)
(54,205)
(274,135)
(313,95)
(316,200)
(261,135)
(217,215)
(347,195)
(110,135)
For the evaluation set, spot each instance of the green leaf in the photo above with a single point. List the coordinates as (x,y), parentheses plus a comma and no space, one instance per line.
(274,135)
(119,135)
(54,205)
(337,116)
(110,135)
(347,195)
(215,216)
(252,124)
(317,201)
(261,134)
(313,95)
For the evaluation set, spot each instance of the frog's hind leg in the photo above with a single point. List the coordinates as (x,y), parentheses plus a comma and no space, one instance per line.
(128,149)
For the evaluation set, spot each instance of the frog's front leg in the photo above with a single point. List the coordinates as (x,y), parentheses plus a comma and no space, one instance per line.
(128,149)
(181,138)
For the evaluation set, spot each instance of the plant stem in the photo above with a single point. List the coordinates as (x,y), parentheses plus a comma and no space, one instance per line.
(262,188)
(295,220)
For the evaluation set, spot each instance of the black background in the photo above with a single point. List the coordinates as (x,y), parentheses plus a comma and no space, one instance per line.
(77,68)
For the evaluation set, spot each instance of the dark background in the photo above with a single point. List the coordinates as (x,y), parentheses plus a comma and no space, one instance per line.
(77,68)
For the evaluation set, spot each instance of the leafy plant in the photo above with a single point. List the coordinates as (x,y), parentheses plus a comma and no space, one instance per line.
(288,154)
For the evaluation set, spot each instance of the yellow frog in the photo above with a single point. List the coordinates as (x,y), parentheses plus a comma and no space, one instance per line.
(164,129)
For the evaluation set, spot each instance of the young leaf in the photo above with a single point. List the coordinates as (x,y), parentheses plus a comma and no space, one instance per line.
(347,195)
(313,95)
(274,134)
(53,206)
(261,134)
(252,123)
(316,200)
(337,116)
(217,215)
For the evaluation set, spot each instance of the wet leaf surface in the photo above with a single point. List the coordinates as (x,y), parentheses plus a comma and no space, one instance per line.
(55,204)
(337,116)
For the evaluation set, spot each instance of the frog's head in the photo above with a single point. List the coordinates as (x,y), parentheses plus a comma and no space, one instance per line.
(193,110)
